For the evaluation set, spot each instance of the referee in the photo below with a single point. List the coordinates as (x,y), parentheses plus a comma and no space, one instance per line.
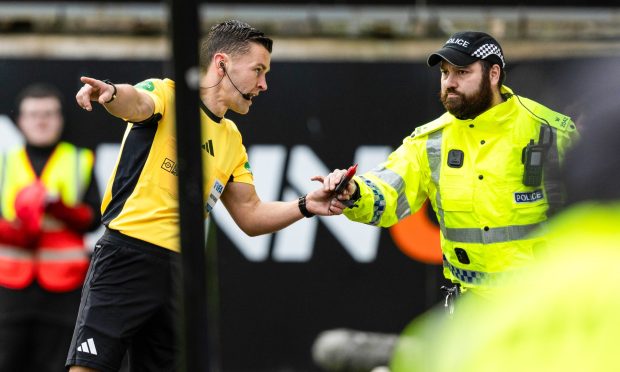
(129,298)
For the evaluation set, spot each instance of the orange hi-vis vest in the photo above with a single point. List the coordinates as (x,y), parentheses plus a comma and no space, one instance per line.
(58,259)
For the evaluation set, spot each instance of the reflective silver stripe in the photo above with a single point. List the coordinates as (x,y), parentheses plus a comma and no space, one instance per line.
(61,254)
(390,177)
(433,153)
(402,207)
(494,235)
(15,253)
(379,201)
(396,181)
(552,184)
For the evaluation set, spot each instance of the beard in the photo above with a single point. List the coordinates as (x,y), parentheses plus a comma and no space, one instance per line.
(468,106)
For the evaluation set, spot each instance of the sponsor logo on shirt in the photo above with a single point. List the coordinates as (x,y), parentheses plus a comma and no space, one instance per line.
(208,147)
(247,166)
(169,166)
(214,196)
(146,85)
(528,197)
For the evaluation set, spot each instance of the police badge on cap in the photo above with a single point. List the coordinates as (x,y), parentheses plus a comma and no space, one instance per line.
(465,48)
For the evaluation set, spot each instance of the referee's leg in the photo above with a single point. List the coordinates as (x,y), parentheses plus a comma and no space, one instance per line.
(81,369)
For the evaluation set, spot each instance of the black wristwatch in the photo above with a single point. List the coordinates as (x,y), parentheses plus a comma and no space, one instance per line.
(301,203)
(114,93)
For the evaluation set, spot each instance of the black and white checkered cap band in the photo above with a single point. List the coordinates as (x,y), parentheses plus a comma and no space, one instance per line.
(486,50)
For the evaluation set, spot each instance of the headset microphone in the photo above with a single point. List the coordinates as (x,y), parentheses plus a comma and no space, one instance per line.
(246,96)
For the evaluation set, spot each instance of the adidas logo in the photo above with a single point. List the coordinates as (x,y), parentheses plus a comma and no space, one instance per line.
(208,147)
(88,347)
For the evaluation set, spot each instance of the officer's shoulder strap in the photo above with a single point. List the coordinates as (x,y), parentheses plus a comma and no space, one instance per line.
(432,126)
(544,114)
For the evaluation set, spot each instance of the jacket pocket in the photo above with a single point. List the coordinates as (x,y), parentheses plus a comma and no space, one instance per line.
(456,194)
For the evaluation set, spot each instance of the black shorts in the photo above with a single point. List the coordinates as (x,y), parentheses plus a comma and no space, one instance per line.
(129,305)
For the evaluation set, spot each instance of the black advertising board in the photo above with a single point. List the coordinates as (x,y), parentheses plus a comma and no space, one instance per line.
(276,293)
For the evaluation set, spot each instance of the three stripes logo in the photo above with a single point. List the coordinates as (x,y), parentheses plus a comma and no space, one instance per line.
(208,147)
(88,347)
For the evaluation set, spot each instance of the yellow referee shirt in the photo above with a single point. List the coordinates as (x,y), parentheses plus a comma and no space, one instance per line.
(141,198)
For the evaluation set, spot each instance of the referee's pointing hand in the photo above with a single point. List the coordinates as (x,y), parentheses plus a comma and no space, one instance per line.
(93,90)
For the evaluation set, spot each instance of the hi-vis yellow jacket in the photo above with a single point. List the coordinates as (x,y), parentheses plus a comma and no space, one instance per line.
(472,173)
(58,260)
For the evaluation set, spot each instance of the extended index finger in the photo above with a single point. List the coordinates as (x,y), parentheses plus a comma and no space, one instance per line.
(84,95)
(317,178)
(89,80)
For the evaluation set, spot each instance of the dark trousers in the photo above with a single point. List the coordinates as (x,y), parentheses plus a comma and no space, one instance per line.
(36,328)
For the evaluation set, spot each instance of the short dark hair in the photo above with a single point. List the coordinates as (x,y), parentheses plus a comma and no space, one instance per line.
(38,90)
(232,37)
(486,67)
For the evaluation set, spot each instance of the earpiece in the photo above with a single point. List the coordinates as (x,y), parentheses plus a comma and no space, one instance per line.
(247,96)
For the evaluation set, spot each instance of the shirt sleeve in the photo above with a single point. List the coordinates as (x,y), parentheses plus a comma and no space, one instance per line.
(157,89)
(243,171)
(393,190)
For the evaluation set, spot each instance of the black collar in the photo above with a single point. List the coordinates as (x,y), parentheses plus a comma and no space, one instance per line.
(39,156)
(211,115)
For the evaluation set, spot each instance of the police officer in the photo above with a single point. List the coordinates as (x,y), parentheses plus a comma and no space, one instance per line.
(488,166)
(561,312)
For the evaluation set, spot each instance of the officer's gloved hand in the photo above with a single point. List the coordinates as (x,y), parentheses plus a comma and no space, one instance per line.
(30,207)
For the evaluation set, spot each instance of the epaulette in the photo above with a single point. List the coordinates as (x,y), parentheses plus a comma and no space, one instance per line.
(546,115)
(432,126)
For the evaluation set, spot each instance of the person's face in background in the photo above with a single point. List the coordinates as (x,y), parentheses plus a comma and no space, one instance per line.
(465,91)
(40,120)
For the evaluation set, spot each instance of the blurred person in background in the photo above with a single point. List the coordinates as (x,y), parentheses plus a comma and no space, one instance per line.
(489,167)
(560,314)
(131,301)
(48,201)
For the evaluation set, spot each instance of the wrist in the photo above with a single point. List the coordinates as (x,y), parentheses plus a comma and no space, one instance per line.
(113,93)
(301,203)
